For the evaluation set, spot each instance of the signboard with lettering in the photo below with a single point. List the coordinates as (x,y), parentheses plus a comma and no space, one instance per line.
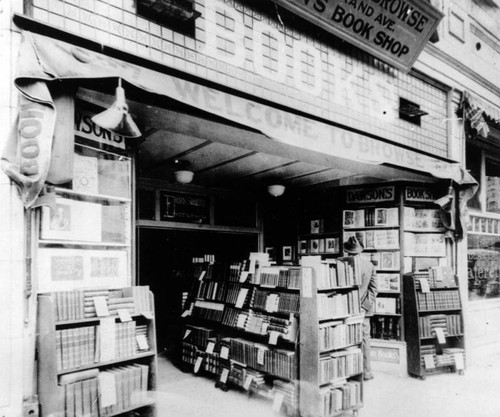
(419,194)
(370,195)
(86,128)
(395,31)
(179,207)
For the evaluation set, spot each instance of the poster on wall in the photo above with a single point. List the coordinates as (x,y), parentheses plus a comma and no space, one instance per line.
(181,207)
(66,269)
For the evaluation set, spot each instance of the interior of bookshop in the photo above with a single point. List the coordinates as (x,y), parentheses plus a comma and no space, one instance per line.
(207,250)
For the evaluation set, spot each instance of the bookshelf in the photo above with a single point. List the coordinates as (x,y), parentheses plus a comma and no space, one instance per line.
(96,352)
(85,237)
(434,324)
(331,360)
(400,227)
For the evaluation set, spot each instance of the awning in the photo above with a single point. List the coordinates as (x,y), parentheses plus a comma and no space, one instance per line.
(27,157)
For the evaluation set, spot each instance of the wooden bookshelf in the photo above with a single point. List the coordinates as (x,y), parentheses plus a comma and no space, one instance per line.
(321,338)
(433,324)
(84,350)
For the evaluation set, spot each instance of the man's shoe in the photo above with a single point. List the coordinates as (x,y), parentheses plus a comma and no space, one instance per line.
(367,376)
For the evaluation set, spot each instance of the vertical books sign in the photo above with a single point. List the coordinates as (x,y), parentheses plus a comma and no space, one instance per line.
(393,31)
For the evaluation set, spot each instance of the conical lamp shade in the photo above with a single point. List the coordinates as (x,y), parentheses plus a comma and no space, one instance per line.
(117,118)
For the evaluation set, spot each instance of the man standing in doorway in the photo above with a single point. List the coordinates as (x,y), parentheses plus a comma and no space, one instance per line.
(367,293)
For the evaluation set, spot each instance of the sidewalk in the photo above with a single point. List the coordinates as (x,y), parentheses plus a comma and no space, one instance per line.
(474,394)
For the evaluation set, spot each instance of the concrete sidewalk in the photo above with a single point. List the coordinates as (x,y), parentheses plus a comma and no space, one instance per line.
(474,394)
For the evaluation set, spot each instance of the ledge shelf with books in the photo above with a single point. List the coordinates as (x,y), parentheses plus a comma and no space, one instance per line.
(96,351)
(433,322)
(331,360)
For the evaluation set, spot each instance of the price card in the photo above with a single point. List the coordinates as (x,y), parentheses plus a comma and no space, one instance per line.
(187,333)
(429,361)
(197,364)
(260,356)
(224,375)
(202,275)
(247,383)
(142,342)
(210,347)
(307,282)
(278,401)
(440,335)
(242,318)
(273,337)
(224,352)
(243,276)
(424,285)
(101,306)
(459,361)
(187,313)
(124,315)
(242,295)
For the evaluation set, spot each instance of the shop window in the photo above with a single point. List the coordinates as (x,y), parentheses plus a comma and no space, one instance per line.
(178,15)
(483,260)
(492,170)
(473,165)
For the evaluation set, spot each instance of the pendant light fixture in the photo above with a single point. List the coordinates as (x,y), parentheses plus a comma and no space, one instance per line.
(117,119)
(276,190)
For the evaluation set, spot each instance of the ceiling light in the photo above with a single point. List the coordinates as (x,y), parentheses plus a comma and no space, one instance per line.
(183,176)
(117,118)
(276,190)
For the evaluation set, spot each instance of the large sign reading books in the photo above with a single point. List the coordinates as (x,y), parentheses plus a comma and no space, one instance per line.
(395,31)
(419,194)
(179,207)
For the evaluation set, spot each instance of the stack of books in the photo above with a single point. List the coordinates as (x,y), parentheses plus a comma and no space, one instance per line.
(338,305)
(340,364)
(337,335)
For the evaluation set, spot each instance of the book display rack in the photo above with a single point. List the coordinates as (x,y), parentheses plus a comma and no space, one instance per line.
(242,328)
(400,228)
(96,352)
(331,360)
(433,322)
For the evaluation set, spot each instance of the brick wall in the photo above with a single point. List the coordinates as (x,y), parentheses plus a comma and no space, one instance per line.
(246,49)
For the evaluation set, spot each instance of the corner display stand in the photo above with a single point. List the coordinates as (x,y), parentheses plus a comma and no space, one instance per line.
(68,356)
(433,323)
(331,362)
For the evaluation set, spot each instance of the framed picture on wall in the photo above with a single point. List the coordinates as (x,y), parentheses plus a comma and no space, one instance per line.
(287,253)
(271,251)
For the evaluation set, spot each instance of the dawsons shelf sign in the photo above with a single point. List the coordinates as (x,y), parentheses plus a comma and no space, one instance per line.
(395,31)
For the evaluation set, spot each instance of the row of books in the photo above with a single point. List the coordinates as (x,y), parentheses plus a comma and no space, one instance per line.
(338,273)
(198,335)
(275,302)
(430,359)
(438,300)
(102,393)
(385,328)
(257,322)
(81,303)
(371,217)
(203,361)
(246,378)
(278,276)
(340,334)
(320,245)
(422,219)
(375,239)
(278,362)
(81,346)
(338,305)
(208,310)
(340,364)
(219,291)
(289,390)
(342,396)
(451,324)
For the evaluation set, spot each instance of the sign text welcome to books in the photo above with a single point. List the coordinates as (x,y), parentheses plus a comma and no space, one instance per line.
(395,31)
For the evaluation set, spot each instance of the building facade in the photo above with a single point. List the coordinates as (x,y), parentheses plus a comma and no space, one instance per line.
(261,66)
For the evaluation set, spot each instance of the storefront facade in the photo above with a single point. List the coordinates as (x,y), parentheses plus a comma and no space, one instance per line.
(258,66)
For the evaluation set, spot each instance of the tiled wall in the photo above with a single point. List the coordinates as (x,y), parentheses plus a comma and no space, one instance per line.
(245,49)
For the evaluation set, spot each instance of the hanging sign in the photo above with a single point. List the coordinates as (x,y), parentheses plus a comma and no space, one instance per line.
(395,31)
(86,128)
(371,195)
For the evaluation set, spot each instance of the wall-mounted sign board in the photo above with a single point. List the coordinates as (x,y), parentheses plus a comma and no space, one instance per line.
(394,31)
